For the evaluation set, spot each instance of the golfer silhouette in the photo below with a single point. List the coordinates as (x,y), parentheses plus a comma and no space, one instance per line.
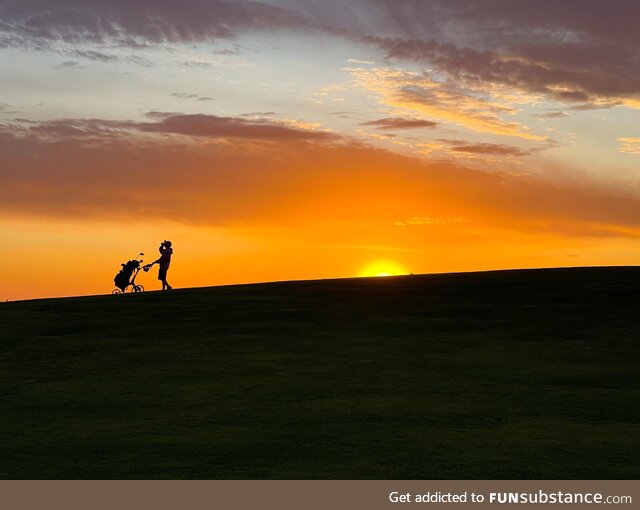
(164,262)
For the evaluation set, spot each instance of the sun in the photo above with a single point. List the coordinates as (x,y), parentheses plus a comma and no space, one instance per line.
(382,268)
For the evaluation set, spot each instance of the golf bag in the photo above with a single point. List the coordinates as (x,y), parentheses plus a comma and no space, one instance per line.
(123,278)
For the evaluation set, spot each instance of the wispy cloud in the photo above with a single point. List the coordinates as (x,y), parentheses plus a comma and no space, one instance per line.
(69,64)
(93,55)
(202,64)
(135,24)
(399,123)
(189,125)
(419,94)
(361,62)
(463,149)
(184,95)
(556,114)
(200,125)
(488,148)
(630,145)
(7,108)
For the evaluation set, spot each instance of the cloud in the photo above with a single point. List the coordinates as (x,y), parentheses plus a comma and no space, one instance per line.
(473,67)
(400,123)
(377,136)
(7,108)
(556,114)
(111,169)
(68,64)
(198,64)
(93,55)
(183,95)
(596,104)
(476,151)
(140,60)
(629,145)
(258,114)
(573,51)
(64,128)
(137,24)
(225,52)
(171,123)
(419,94)
(489,148)
(200,125)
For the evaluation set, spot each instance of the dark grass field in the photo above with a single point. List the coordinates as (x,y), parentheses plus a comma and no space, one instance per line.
(511,374)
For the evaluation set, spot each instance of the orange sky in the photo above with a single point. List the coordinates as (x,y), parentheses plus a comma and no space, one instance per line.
(279,211)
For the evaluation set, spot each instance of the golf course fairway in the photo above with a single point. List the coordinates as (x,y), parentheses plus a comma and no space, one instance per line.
(493,375)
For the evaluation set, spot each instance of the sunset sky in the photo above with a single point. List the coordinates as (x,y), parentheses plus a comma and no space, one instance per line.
(301,139)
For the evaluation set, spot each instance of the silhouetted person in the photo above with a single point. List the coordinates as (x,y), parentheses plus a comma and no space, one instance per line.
(164,262)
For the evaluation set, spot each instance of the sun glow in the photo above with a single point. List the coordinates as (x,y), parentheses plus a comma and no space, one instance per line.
(382,268)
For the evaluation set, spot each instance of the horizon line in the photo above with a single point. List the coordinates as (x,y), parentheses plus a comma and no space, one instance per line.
(386,277)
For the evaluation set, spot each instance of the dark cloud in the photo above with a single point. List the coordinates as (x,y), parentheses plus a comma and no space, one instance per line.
(614,20)
(571,28)
(568,83)
(573,51)
(191,125)
(493,149)
(399,123)
(580,51)
(200,125)
(133,23)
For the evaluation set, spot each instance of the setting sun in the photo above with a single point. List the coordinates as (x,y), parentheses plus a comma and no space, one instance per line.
(382,268)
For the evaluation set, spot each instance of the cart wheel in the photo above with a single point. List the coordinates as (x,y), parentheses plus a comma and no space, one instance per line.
(116,291)
(138,288)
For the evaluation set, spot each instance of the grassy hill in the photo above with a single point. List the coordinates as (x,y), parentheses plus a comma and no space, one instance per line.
(510,374)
